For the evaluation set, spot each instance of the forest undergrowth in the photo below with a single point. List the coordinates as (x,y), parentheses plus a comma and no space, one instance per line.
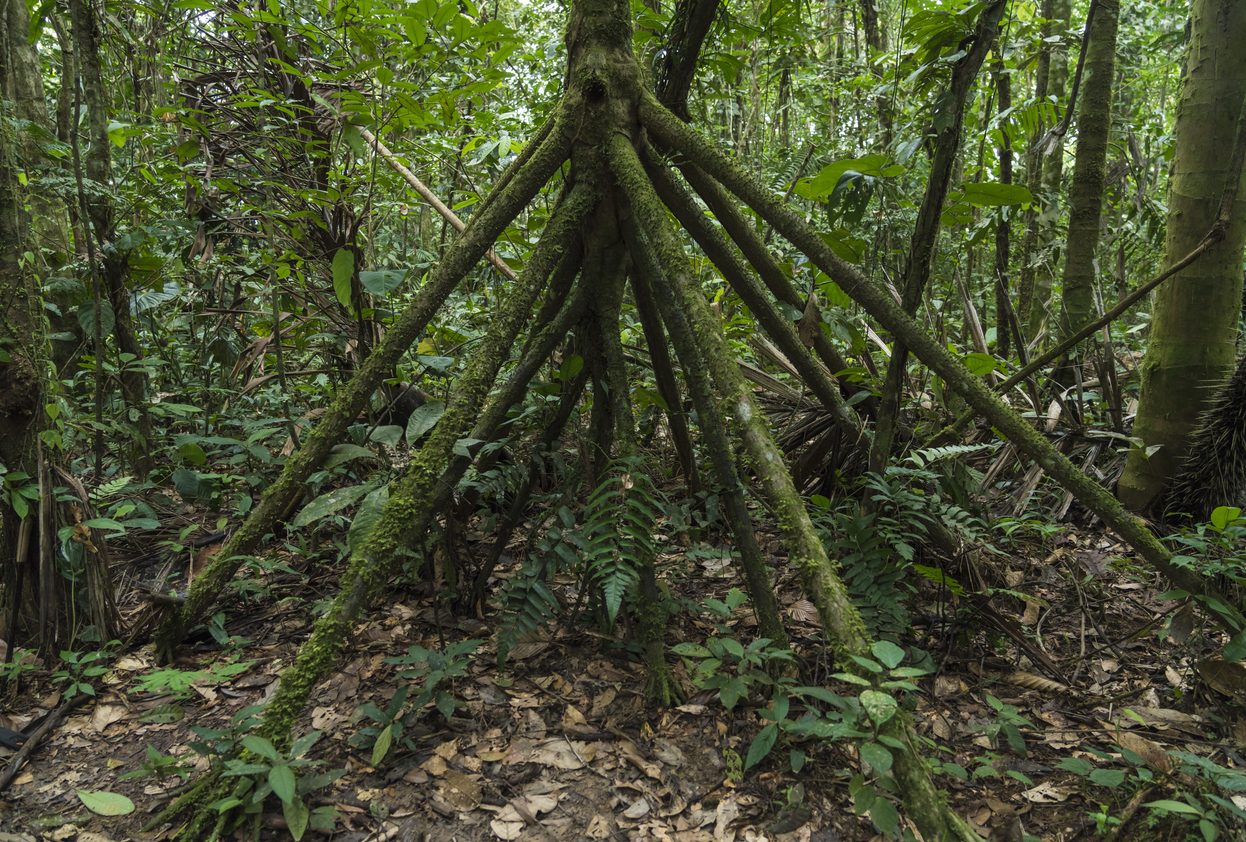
(1065,704)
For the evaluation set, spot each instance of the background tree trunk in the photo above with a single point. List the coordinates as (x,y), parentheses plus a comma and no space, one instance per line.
(1194,326)
(1052,180)
(114,262)
(22,359)
(1094,125)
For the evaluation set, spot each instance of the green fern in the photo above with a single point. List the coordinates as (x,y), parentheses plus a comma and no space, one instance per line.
(928,456)
(608,546)
(527,602)
(618,530)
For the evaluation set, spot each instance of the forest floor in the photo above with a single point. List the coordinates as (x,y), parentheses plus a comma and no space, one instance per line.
(1035,698)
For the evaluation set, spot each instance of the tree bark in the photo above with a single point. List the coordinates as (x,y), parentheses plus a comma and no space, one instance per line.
(1054,76)
(114,263)
(22,352)
(1192,345)
(1094,125)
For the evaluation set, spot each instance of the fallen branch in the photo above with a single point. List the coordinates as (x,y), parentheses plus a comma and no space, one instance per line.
(35,737)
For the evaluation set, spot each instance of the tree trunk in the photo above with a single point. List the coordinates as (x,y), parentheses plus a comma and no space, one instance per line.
(1193,337)
(114,263)
(1034,309)
(22,359)
(1094,124)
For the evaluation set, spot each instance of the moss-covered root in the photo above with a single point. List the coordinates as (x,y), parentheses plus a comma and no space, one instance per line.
(672,134)
(924,802)
(542,344)
(778,327)
(408,510)
(484,228)
(645,274)
(195,802)
(757,253)
(738,274)
(668,388)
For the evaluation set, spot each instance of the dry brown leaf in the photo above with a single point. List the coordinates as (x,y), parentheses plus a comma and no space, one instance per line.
(1182,624)
(603,701)
(1046,793)
(803,611)
(1150,751)
(627,750)
(557,752)
(638,809)
(599,828)
(1224,677)
(459,790)
(105,715)
(1037,682)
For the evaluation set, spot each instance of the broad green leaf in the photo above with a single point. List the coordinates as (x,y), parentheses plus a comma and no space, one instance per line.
(821,186)
(979,363)
(570,367)
(992,194)
(1169,806)
(1076,765)
(297,816)
(877,756)
(761,745)
(343,453)
(888,654)
(281,779)
(690,650)
(259,745)
(387,434)
(86,318)
(1108,777)
(1224,515)
(382,282)
(879,706)
(193,453)
(1235,649)
(367,516)
(328,503)
(343,269)
(423,420)
(884,816)
(104,803)
(380,748)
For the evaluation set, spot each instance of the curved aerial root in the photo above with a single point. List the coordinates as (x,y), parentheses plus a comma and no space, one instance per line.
(923,801)
(675,136)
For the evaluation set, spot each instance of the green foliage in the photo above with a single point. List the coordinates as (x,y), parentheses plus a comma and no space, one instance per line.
(618,527)
(1216,550)
(878,548)
(159,766)
(178,683)
(19,663)
(18,490)
(79,670)
(430,674)
(612,539)
(798,717)
(1199,793)
(262,770)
